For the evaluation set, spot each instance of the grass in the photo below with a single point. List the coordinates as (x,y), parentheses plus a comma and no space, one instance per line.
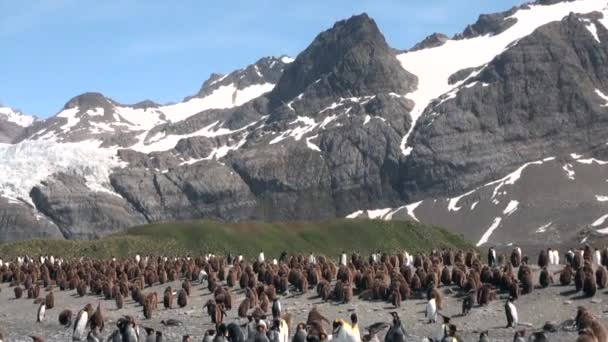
(248,238)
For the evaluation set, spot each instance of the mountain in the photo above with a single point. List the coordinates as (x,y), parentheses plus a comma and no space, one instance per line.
(12,123)
(498,133)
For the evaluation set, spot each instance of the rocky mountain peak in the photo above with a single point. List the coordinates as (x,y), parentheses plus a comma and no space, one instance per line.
(350,59)
(89,100)
(434,40)
(264,71)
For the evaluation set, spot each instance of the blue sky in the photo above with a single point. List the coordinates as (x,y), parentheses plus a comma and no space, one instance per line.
(131,50)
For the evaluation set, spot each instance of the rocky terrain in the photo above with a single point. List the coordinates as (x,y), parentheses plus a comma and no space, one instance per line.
(498,133)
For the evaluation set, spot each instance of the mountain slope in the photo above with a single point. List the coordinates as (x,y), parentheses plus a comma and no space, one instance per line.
(12,123)
(348,126)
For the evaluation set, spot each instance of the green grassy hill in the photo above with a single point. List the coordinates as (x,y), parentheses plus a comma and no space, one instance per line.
(248,238)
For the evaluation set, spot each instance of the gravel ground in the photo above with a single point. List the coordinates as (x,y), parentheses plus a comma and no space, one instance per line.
(556,303)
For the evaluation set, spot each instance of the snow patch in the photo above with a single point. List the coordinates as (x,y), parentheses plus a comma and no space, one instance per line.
(603,231)
(453,202)
(287,59)
(599,221)
(511,208)
(514,176)
(601,198)
(311,145)
(488,233)
(70,116)
(592,161)
(226,96)
(593,30)
(355,214)
(474,205)
(543,229)
(603,96)
(569,172)
(411,208)
(162,142)
(16,117)
(378,213)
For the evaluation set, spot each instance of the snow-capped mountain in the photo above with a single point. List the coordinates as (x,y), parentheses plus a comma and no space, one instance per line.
(12,123)
(499,133)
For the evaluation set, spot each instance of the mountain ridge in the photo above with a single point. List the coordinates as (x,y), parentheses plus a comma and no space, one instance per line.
(348,126)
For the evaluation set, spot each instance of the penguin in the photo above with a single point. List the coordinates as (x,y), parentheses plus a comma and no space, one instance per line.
(597,257)
(511,313)
(586,335)
(182,298)
(343,259)
(545,278)
(209,335)
(93,336)
(373,330)
(276,308)
(97,320)
(396,333)
(187,338)
(40,314)
(37,339)
(519,336)
(431,310)
(65,318)
(483,336)
(344,332)
(300,335)
(119,301)
(491,257)
(444,330)
(50,300)
(150,334)
(354,322)
(171,322)
(235,334)
(260,335)
(543,259)
(467,305)
(261,257)
(80,325)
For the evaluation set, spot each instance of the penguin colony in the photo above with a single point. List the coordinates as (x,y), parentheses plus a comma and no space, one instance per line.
(388,278)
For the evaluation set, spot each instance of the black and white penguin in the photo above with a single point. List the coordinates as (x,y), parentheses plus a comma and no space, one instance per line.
(483,337)
(276,308)
(235,334)
(431,310)
(492,257)
(519,336)
(300,335)
(41,312)
(209,335)
(150,334)
(511,313)
(397,332)
(82,319)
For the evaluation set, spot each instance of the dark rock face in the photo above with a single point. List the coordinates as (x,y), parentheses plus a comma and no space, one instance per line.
(352,59)
(492,24)
(434,40)
(9,131)
(205,189)
(81,213)
(536,100)
(19,221)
